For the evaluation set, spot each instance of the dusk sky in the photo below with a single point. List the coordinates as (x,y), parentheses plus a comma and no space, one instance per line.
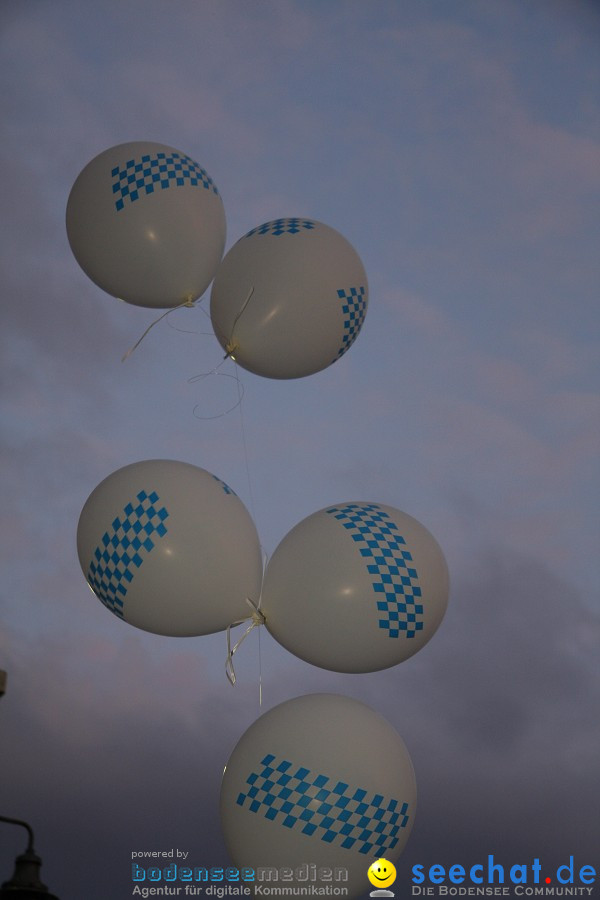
(456,145)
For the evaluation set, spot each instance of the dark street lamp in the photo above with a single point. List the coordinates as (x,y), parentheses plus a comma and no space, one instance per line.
(25,883)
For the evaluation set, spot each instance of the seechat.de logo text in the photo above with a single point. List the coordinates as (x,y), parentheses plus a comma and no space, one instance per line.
(491,878)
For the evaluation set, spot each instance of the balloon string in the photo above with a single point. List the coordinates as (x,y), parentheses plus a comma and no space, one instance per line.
(260,678)
(197,305)
(244,441)
(256,618)
(236,376)
(216,373)
(231,345)
(189,302)
(259,672)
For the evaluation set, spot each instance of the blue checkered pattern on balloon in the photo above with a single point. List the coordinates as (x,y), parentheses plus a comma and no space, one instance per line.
(395,582)
(283,226)
(138,178)
(225,487)
(124,548)
(354,309)
(316,804)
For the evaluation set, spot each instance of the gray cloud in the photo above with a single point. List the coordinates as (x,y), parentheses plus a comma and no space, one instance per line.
(127,752)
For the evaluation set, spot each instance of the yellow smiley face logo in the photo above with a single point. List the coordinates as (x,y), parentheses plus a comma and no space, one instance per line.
(382,873)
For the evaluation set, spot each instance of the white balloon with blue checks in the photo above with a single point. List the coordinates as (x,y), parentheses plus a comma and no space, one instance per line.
(146,223)
(319,782)
(356,587)
(289,298)
(169,548)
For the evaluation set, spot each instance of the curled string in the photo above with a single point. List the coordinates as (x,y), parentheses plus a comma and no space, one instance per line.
(189,302)
(216,373)
(230,347)
(255,618)
(188,330)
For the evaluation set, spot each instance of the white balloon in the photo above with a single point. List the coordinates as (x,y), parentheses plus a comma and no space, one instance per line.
(170,548)
(289,298)
(355,587)
(146,223)
(320,781)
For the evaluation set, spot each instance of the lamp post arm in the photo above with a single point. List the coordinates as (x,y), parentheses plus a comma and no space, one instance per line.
(23,825)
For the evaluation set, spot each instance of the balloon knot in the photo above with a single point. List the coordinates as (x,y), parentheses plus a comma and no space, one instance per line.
(231,347)
(257,615)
